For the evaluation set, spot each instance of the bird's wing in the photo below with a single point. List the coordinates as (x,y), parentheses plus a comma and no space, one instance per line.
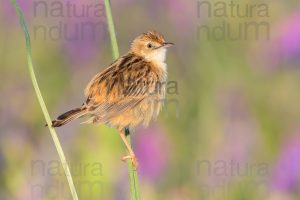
(128,82)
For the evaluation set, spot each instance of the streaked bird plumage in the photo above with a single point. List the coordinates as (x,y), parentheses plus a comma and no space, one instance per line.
(131,91)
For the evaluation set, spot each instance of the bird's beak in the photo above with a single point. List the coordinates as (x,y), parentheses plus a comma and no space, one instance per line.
(167,44)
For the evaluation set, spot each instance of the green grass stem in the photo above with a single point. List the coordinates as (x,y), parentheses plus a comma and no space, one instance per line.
(41,101)
(133,176)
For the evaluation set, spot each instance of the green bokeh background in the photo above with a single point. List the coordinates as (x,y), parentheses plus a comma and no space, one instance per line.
(233,132)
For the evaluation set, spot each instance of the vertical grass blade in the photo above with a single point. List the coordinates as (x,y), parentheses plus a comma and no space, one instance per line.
(133,176)
(41,101)
(111,29)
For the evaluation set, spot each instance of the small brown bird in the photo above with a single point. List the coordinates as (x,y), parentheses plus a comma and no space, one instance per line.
(129,92)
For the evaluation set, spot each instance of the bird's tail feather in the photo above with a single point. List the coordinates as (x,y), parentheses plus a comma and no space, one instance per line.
(69,116)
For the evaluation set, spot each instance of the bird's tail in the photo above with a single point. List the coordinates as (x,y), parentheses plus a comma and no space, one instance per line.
(69,116)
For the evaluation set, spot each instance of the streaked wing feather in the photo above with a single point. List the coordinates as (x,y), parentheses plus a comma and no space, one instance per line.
(121,87)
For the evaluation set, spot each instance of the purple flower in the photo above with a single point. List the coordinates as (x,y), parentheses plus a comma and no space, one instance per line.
(9,11)
(286,176)
(181,14)
(284,47)
(83,31)
(289,39)
(152,150)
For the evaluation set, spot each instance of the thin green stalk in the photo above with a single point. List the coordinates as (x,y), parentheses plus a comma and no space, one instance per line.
(111,28)
(41,101)
(133,176)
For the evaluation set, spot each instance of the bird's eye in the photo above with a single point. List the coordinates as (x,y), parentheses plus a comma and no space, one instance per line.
(149,45)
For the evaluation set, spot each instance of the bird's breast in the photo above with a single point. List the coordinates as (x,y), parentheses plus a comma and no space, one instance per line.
(161,69)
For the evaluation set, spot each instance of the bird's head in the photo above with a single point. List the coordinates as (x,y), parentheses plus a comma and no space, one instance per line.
(151,45)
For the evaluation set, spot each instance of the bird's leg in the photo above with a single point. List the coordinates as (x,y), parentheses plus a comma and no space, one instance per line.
(131,153)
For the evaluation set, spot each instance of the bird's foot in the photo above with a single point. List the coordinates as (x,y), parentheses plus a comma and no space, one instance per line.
(133,160)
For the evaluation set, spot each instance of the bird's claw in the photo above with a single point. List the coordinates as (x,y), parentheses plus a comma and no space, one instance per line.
(133,159)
